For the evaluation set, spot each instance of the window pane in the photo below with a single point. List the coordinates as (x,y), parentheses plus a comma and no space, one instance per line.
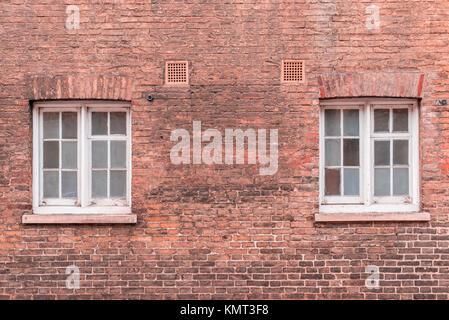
(99,154)
(69,184)
(99,123)
(99,184)
(400,181)
(351,182)
(400,152)
(51,125)
(69,155)
(350,152)
(118,122)
(332,122)
(400,120)
(382,153)
(118,184)
(332,182)
(51,184)
(69,125)
(382,182)
(51,154)
(118,154)
(381,120)
(332,152)
(351,122)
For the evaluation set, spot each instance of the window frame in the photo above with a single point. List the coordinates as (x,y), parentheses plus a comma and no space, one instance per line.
(84,203)
(369,203)
(51,201)
(347,199)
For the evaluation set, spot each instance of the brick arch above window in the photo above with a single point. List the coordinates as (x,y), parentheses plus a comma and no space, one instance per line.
(108,87)
(370,84)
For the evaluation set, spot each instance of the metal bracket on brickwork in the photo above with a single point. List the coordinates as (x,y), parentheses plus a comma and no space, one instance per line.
(149,97)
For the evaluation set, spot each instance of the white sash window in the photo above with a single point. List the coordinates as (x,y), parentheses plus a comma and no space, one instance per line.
(81,157)
(369,155)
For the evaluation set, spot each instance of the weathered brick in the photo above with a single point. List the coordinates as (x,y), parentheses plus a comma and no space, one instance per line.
(223,231)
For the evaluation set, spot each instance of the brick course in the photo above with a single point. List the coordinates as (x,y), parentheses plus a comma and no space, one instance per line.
(223,231)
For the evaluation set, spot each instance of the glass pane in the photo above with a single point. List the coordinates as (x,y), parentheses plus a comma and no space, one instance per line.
(400,152)
(51,154)
(381,153)
(118,122)
(51,125)
(99,123)
(118,184)
(332,152)
(381,120)
(332,182)
(51,184)
(400,181)
(400,120)
(350,122)
(99,154)
(332,122)
(69,155)
(118,154)
(350,152)
(69,125)
(351,182)
(382,182)
(99,184)
(69,184)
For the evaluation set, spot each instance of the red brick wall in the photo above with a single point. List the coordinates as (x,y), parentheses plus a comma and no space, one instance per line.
(223,231)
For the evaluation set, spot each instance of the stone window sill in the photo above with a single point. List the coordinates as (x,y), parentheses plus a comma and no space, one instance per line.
(79,219)
(372,217)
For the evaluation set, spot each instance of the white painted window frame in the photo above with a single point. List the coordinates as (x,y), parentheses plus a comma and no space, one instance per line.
(84,203)
(57,202)
(367,202)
